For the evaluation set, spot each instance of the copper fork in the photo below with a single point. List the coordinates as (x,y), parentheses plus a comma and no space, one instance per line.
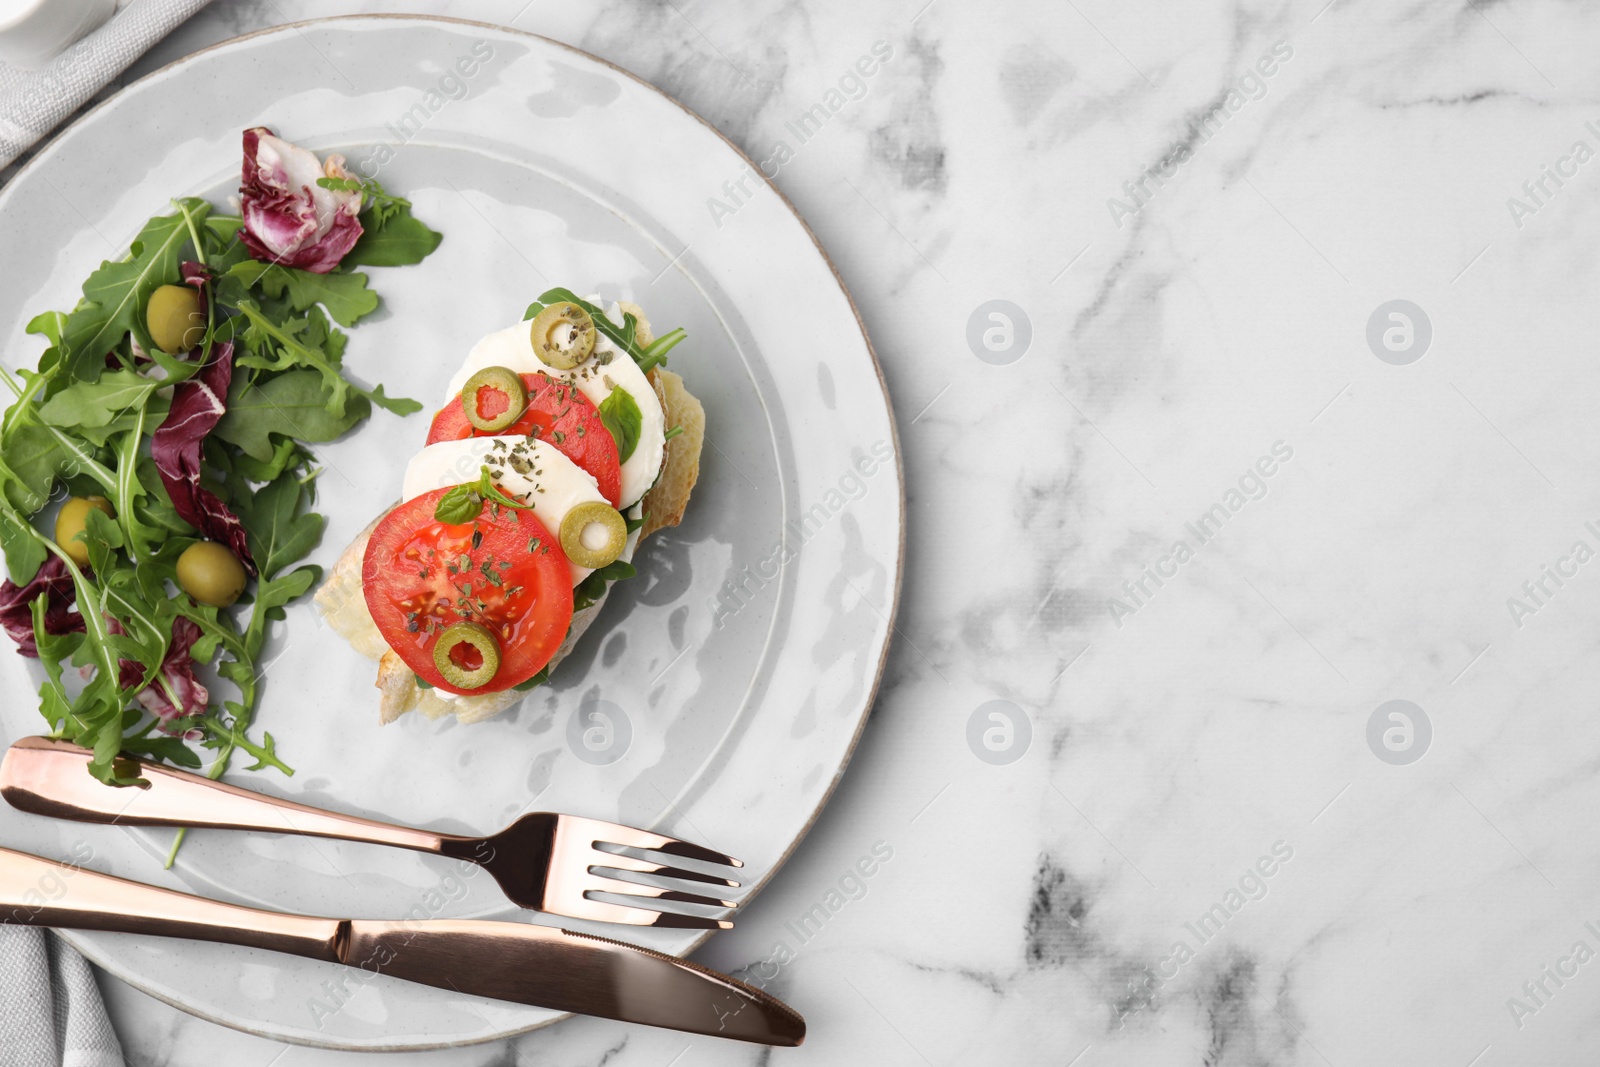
(560,864)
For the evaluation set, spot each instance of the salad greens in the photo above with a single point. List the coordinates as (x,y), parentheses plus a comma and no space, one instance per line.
(212,443)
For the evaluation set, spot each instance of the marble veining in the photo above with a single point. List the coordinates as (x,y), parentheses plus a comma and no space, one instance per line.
(1180,328)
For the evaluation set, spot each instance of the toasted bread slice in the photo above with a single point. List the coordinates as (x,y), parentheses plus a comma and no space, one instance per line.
(343,605)
(665,502)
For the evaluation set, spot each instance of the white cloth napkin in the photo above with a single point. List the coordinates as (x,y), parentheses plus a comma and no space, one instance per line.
(50,1009)
(32,103)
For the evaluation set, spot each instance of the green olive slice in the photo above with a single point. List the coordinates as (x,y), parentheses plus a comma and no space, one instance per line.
(577,530)
(494,398)
(460,646)
(562,335)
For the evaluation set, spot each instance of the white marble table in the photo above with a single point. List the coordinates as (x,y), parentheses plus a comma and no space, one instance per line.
(1198,857)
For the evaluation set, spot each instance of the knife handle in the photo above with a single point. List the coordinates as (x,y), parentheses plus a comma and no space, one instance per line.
(49,776)
(41,892)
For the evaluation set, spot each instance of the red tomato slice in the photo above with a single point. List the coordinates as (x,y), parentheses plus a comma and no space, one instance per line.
(504,571)
(559,415)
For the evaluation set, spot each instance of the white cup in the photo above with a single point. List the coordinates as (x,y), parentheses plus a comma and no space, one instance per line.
(33,32)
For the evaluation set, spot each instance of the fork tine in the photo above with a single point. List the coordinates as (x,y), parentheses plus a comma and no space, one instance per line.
(597,883)
(607,912)
(629,837)
(618,862)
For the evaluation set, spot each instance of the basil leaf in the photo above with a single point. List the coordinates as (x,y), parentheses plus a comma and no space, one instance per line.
(589,591)
(460,505)
(537,680)
(621,415)
(489,491)
(617,569)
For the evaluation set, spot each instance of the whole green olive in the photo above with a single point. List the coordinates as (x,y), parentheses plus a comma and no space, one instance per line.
(174,318)
(73,519)
(211,574)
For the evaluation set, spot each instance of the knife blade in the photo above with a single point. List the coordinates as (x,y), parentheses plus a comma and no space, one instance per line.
(571,971)
(539,966)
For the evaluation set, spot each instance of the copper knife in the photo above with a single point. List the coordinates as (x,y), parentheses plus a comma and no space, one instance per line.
(536,965)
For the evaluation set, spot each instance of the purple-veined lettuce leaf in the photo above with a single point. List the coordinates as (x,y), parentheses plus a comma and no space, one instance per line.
(16,606)
(288,218)
(197,406)
(177,668)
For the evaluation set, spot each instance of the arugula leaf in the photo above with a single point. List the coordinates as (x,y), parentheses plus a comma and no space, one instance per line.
(656,351)
(379,206)
(293,404)
(29,463)
(311,342)
(345,296)
(398,405)
(278,346)
(171,749)
(621,415)
(401,241)
(151,413)
(280,530)
(155,508)
(24,553)
(226,228)
(50,325)
(97,403)
(114,296)
(248,469)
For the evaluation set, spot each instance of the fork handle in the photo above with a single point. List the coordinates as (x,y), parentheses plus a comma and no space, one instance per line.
(41,892)
(49,776)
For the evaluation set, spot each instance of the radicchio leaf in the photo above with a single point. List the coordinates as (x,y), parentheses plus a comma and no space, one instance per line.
(177,667)
(16,606)
(196,274)
(289,218)
(197,406)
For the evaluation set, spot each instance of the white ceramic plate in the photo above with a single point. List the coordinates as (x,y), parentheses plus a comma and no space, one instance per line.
(543,167)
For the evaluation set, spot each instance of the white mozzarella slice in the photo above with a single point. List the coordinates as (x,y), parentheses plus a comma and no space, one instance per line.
(606,369)
(526,468)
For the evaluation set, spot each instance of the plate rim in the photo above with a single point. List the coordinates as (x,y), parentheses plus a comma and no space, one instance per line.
(891,614)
